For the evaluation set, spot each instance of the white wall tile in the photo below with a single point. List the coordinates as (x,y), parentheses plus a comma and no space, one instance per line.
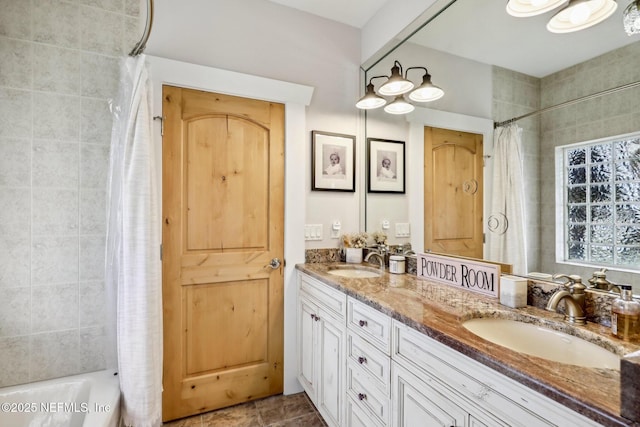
(93,217)
(15,262)
(94,166)
(15,162)
(102,31)
(96,121)
(56,69)
(92,304)
(92,258)
(15,19)
(54,260)
(133,30)
(14,360)
(56,116)
(14,311)
(92,342)
(53,355)
(54,308)
(16,59)
(132,7)
(56,22)
(55,164)
(55,211)
(15,113)
(100,75)
(14,215)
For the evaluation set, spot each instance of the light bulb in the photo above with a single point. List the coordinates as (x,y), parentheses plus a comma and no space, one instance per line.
(538,3)
(580,14)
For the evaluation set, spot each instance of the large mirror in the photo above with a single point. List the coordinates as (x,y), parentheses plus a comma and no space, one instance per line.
(494,67)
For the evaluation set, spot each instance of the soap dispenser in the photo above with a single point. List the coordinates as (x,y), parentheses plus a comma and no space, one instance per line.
(625,316)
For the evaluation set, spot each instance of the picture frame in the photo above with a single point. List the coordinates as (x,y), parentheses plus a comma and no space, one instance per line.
(333,162)
(385,166)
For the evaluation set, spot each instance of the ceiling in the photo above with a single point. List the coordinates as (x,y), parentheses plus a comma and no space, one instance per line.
(519,44)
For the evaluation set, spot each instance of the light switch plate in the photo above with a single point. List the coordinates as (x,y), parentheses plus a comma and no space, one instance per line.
(313,232)
(402,229)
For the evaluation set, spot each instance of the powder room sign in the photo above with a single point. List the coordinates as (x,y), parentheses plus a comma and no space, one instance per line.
(474,276)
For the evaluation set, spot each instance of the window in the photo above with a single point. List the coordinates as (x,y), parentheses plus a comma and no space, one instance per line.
(599,199)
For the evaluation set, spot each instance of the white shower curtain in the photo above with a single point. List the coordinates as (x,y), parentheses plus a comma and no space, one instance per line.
(133,267)
(507,237)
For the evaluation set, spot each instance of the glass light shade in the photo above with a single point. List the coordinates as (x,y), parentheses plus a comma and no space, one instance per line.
(526,8)
(581,14)
(631,18)
(370,100)
(427,91)
(399,106)
(396,85)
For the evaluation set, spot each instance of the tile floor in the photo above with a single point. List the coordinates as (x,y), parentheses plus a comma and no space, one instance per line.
(295,410)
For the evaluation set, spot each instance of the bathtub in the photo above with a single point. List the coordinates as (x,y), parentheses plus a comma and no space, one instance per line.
(87,400)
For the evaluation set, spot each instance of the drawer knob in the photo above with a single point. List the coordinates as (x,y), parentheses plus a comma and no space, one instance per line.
(362,360)
(314,317)
(362,323)
(362,396)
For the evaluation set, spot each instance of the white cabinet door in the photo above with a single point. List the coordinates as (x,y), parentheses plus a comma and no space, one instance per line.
(307,354)
(416,404)
(331,367)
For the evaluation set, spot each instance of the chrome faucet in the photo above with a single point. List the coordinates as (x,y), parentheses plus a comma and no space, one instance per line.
(379,253)
(574,299)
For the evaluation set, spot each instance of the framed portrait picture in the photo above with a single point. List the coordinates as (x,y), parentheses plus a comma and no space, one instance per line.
(333,163)
(385,165)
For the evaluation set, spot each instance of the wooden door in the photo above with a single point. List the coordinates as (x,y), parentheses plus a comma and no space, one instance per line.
(453,167)
(223,212)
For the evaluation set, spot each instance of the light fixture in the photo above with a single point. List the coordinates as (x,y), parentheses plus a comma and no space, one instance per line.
(396,85)
(526,8)
(427,91)
(399,106)
(631,18)
(581,14)
(371,99)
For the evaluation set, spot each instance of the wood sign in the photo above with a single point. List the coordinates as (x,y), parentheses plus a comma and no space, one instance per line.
(474,276)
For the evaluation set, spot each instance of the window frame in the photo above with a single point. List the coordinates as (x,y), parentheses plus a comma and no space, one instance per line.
(561,204)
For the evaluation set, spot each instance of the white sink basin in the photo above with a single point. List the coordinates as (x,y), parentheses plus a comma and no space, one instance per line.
(543,342)
(355,273)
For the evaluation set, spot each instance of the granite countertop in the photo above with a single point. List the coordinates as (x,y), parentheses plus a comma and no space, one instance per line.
(438,311)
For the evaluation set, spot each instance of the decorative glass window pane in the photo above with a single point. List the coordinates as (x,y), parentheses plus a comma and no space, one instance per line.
(628,192)
(577,233)
(601,233)
(627,171)
(577,157)
(577,175)
(628,214)
(601,213)
(628,255)
(628,235)
(600,173)
(576,251)
(577,213)
(577,194)
(627,149)
(600,193)
(600,153)
(602,254)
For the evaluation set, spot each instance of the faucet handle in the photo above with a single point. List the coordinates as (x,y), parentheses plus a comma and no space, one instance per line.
(574,282)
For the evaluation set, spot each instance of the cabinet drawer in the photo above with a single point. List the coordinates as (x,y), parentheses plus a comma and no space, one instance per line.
(370,324)
(363,389)
(419,352)
(370,359)
(358,417)
(330,298)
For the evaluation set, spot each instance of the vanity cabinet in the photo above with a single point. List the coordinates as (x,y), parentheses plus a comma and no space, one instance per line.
(362,368)
(321,340)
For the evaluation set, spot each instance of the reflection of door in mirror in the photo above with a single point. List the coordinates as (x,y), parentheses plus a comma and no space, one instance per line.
(453,192)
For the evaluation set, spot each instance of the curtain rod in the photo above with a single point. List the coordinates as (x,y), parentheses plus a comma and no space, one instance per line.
(567,103)
(142,44)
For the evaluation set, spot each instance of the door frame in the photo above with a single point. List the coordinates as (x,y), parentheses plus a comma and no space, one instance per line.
(296,98)
(420,118)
